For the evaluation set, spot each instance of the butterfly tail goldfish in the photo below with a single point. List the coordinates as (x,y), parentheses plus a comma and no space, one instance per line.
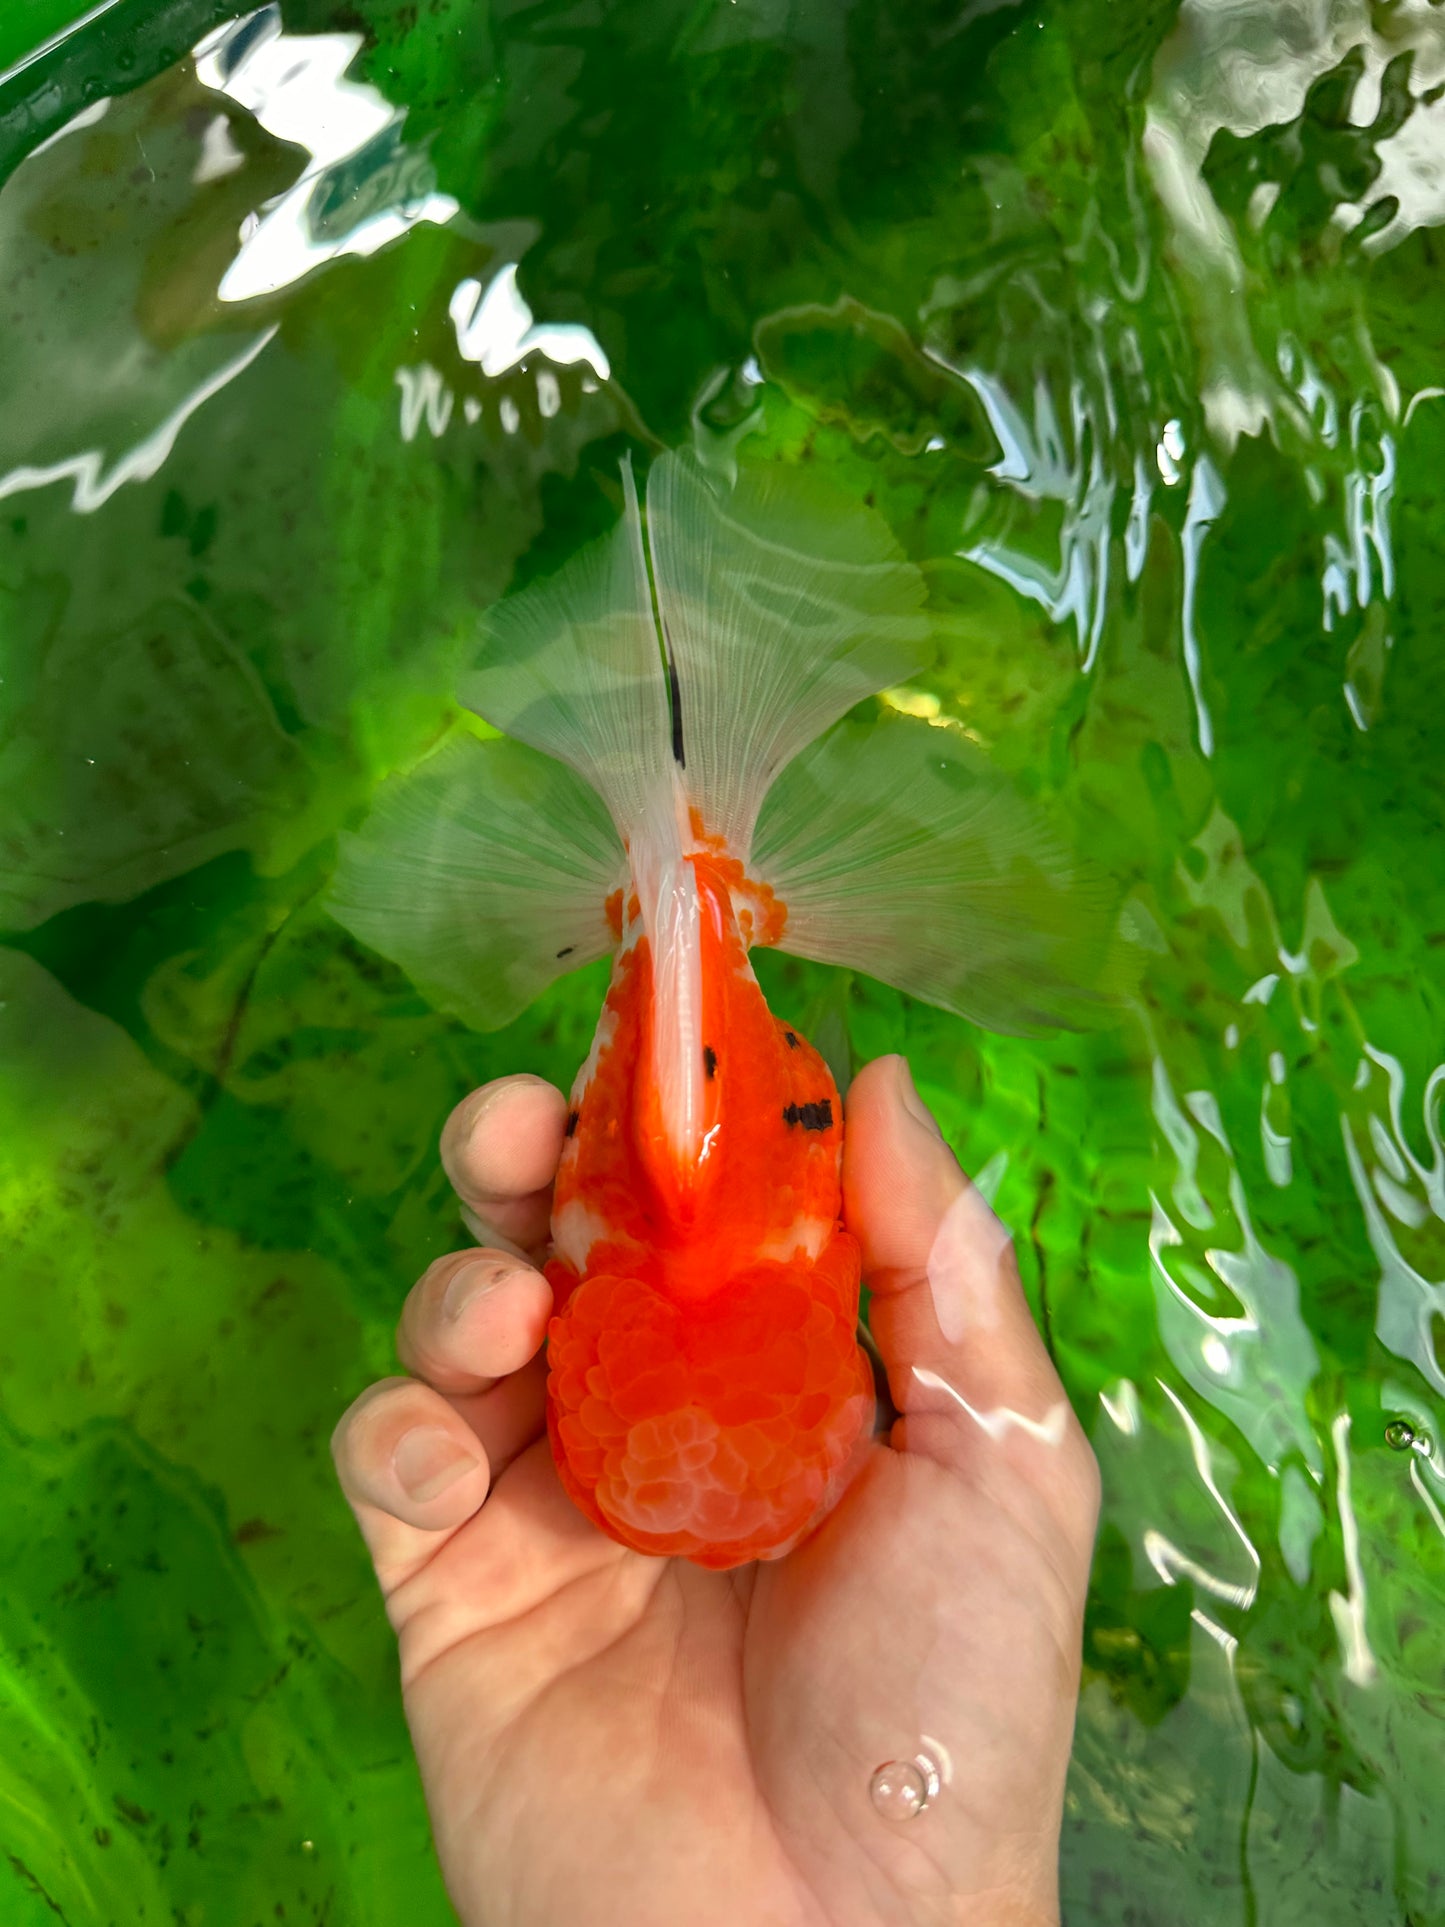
(676,786)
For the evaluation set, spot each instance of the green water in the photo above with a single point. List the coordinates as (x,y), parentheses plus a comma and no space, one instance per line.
(1127,316)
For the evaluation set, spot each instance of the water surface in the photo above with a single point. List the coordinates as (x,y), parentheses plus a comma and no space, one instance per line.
(320,327)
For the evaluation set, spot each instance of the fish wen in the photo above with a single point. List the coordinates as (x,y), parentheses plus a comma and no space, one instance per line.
(678,784)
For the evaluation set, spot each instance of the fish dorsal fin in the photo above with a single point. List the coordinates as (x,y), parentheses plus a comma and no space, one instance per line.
(573,665)
(783,604)
(484,873)
(897,850)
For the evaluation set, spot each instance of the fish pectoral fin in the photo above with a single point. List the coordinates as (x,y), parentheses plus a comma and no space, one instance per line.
(484,873)
(897,850)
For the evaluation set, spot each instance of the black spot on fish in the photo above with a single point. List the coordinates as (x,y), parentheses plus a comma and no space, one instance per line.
(709,1060)
(674,697)
(572,1117)
(566,950)
(792,1039)
(812,1117)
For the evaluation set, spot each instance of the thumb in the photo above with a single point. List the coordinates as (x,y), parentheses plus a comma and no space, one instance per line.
(966,1365)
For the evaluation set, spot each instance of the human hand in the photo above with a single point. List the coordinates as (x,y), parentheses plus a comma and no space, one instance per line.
(606,1737)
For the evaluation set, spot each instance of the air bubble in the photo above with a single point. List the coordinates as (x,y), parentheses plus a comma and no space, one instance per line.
(901,1789)
(1399,1435)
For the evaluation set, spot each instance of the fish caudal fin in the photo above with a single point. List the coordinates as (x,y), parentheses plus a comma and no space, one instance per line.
(783,604)
(687,670)
(484,873)
(898,851)
(573,665)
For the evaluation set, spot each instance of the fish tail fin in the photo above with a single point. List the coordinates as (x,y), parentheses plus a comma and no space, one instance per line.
(769,610)
(894,847)
(573,665)
(484,873)
(898,850)
(783,603)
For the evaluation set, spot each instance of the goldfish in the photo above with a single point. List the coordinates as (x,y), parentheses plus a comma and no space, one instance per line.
(678,783)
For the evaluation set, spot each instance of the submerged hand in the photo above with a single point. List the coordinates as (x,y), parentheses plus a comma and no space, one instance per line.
(611,1738)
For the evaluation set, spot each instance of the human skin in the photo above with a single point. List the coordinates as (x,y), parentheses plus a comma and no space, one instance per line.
(613,1738)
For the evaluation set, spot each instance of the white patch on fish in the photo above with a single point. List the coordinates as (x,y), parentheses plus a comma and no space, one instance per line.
(601,1037)
(575,1229)
(804,1237)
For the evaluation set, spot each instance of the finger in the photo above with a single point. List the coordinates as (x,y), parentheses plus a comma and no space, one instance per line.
(413,1471)
(472,1318)
(509,1417)
(966,1364)
(500,1149)
(938,1262)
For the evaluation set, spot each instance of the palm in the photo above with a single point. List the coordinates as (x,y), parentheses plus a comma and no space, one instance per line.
(606,1737)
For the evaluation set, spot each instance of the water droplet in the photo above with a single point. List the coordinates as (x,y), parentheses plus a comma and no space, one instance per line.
(901,1789)
(1399,1435)
(898,1790)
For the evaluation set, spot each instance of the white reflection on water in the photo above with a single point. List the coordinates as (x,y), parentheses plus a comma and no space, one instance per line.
(1037,464)
(361,187)
(93,482)
(1348,1609)
(495,328)
(1172,1564)
(425,397)
(1206,505)
(1409,1303)
(1049,461)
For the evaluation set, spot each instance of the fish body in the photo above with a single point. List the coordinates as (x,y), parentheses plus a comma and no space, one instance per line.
(705,1387)
(678,783)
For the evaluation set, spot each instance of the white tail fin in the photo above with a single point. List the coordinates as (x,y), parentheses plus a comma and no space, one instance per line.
(894,849)
(573,666)
(484,873)
(783,604)
(898,851)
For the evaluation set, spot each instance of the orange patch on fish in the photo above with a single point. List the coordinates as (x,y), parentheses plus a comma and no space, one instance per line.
(706,1389)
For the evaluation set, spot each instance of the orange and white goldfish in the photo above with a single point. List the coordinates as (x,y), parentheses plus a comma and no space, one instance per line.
(678,789)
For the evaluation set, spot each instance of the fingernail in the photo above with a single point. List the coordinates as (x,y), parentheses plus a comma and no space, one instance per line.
(463,1121)
(913,1103)
(469,1283)
(427,1460)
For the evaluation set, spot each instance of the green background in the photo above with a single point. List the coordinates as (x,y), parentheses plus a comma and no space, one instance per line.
(1127,317)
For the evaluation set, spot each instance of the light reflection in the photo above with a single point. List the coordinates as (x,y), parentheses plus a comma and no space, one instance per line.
(1122,1407)
(1431,1505)
(1206,505)
(495,328)
(1235,1594)
(1432,1175)
(361,187)
(94,484)
(1205,1467)
(1049,1430)
(425,397)
(48,47)
(1035,463)
(1301,1519)
(1348,1610)
(87,117)
(1254,1365)
(1408,1303)
(220,155)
